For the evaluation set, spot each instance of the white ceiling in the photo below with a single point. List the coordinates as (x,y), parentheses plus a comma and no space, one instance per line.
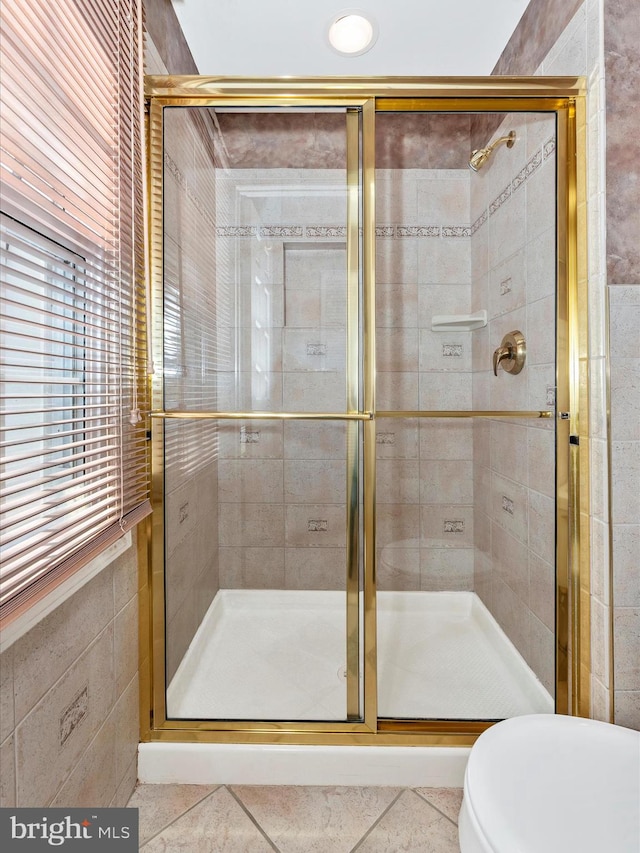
(268,38)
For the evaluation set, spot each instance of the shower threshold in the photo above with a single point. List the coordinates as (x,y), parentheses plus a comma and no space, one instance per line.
(280,655)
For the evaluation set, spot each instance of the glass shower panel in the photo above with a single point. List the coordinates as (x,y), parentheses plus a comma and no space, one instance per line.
(257,321)
(465,509)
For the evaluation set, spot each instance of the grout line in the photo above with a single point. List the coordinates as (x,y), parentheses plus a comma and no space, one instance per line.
(251,817)
(181,815)
(377,820)
(433,805)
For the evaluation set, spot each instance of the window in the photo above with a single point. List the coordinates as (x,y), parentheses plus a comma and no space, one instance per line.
(73,463)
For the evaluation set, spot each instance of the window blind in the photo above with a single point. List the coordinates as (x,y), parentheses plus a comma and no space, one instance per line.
(73,453)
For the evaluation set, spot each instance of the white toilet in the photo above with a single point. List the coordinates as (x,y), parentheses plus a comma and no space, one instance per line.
(547,783)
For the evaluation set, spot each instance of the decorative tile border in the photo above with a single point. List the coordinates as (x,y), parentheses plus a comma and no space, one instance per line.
(497,203)
(532,165)
(236,231)
(417,231)
(281,231)
(446,232)
(456,231)
(479,221)
(326,231)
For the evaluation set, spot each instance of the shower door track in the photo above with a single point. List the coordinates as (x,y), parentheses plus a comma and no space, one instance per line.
(565,97)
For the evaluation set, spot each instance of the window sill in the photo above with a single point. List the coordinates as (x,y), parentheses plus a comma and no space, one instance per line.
(23,623)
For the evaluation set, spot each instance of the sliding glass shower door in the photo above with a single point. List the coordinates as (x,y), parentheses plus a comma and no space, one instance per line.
(365,437)
(260,413)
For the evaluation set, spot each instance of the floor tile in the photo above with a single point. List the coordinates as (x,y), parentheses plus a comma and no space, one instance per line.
(314,819)
(218,824)
(411,826)
(160,805)
(446,800)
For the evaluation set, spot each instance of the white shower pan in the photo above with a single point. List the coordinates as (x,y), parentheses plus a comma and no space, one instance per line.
(271,654)
(280,654)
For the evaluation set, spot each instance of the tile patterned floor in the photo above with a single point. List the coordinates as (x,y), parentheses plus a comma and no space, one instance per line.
(286,819)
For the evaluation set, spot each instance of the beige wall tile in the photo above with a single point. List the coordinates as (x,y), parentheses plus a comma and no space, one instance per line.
(512,615)
(509,506)
(315,568)
(626,638)
(448,482)
(626,554)
(396,349)
(316,481)
(252,568)
(7,713)
(542,590)
(315,526)
(250,480)
(397,481)
(251,440)
(445,391)
(397,304)
(446,569)
(446,439)
(44,654)
(315,440)
(625,463)
(397,525)
(53,736)
(251,525)
(444,260)
(508,450)
(313,392)
(7,773)
(396,439)
(85,787)
(446,526)
(127,727)
(627,705)
(397,391)
(125,645)
(398,568)
(510,562)
(542,653)
(126,786)
(508,287)
(542,522)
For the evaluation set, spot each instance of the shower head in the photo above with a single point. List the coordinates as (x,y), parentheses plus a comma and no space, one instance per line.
(480,156)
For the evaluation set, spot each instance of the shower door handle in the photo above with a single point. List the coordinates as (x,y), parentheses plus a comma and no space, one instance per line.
(511,353)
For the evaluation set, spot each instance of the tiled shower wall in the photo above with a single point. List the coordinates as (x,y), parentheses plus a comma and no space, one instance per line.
(424,489)
(282,487)
(281,332)
(513,277)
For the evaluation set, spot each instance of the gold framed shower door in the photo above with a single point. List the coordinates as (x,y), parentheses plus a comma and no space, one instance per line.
(366,97)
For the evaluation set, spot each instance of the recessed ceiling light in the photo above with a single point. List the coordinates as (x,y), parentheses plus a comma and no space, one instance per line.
(351,32)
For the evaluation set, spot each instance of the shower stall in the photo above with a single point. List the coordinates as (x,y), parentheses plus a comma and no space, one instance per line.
(366,434)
